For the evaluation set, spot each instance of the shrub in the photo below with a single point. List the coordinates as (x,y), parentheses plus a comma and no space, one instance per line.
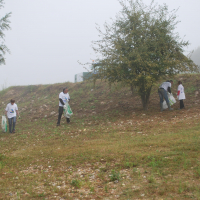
(76,183)
(114,175)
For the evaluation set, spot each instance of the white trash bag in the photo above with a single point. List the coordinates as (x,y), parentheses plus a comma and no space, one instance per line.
(4,124)
(67,110)
(165,106)
(172,101)
(171,98)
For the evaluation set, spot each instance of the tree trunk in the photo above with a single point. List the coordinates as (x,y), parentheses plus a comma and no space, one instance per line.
(132,89)
(94,83)
(145,98)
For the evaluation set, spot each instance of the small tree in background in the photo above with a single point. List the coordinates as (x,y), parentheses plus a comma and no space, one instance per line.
(140,46)
(4,25)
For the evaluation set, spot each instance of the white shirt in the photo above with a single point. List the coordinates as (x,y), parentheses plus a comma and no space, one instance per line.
(64,97)
(165,85)
(11,110)
(181,96)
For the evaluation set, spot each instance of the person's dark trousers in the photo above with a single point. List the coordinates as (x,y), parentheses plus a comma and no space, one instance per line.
(60,112)
(181,104)
(12,122)
(163,94)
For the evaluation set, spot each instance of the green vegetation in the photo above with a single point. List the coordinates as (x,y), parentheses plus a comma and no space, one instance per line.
(4,25)
(76,183)
(191,89)
(111,149)
(115,176)
(1,162)
(140,47)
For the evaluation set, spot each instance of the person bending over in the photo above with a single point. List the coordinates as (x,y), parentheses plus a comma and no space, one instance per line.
(162,91)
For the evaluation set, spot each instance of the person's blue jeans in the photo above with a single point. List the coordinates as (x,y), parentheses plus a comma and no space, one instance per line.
(163,94)
(12,122)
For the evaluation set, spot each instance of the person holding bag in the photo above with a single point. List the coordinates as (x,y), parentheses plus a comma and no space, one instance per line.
(162,91)
(11,111)
(63,98)
(181,94)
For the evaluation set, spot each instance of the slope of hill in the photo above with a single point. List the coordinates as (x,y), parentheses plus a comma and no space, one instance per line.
(112,149)
(41,101)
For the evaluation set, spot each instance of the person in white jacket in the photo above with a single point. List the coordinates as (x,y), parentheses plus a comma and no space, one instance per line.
(181,94)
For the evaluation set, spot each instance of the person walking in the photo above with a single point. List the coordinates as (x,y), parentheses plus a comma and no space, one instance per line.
(63,98)
(11,111)
(162,91)
(180,94)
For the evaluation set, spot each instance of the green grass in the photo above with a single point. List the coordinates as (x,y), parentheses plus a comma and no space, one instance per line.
(54,152)
(115,176)
(76,183)
(115,153)
(191,89)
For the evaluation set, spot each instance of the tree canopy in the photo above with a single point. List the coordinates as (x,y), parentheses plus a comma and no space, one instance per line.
(140,46)
(4,25)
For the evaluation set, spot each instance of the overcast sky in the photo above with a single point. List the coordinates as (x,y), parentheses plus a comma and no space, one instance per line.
(48,37)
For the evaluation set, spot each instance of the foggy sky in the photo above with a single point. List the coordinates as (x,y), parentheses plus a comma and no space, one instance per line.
(196,56)
(48,37)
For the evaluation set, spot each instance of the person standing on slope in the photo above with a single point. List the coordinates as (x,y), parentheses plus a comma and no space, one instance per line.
(63,98)
(162,91)
(181,94)
(11,111)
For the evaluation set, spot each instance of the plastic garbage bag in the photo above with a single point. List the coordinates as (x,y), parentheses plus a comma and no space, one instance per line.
(171,98)
(165,106)
(172,101)
(4,124)
(67,110)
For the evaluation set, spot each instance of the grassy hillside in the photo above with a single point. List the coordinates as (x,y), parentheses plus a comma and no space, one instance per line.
(112,149)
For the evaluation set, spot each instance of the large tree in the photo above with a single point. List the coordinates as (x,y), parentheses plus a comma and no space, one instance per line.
(4,25)
(140,46)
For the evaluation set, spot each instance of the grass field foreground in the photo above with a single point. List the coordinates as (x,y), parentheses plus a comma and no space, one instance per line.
(102,154)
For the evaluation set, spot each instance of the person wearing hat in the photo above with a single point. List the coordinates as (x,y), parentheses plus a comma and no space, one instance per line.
(162,91)
(63,98)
